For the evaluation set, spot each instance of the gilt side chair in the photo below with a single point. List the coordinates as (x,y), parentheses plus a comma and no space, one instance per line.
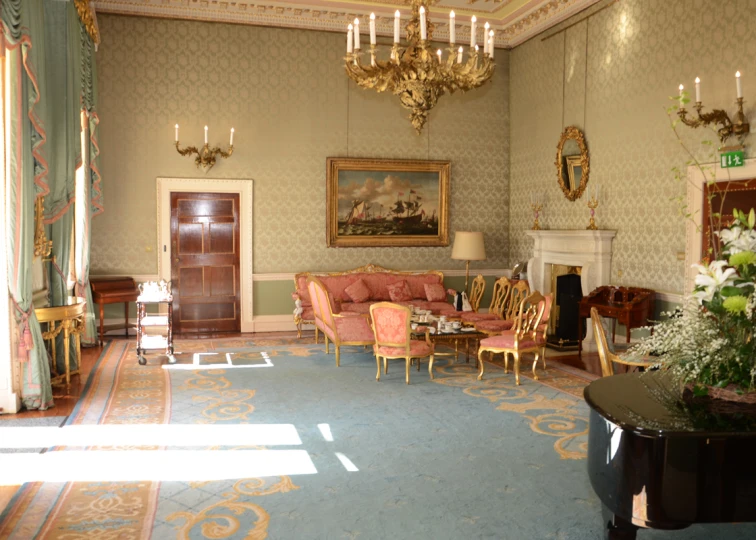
(500,293)
(526,336)
(391,327)
(517,293)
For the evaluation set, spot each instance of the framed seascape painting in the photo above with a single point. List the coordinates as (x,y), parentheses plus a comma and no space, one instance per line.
(387,202)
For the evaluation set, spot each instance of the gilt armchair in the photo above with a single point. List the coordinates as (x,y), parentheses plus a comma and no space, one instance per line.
(607,355)
(500,293)
(340,329)
(517,293)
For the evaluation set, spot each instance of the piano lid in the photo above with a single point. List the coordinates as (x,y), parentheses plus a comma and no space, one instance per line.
(651,404)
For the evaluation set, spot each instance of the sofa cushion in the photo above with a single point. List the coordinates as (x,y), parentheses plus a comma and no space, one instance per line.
(378,285)
(358,291)
(400,291)
(434,292)
(337,284)
(352,307)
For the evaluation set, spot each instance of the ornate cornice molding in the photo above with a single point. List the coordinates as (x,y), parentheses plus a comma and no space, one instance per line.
(88,18)
(512,26)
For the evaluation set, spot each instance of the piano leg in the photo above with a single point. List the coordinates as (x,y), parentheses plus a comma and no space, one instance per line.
(617,528)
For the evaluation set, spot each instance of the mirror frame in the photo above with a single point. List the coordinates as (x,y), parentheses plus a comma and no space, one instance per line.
(573,133)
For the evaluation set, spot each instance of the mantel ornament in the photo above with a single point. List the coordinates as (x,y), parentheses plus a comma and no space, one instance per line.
(572,163)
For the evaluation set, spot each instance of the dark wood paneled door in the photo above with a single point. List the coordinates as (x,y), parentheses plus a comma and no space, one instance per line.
(205,262)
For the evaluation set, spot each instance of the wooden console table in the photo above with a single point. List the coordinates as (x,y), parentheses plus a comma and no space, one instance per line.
(68,319)
(631,306)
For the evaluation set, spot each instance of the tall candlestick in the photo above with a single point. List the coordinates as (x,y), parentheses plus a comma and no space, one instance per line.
(356,34)
(459,55)
(205,134)
(423,29)
(372,28)
(485,37)
(349,39)
(739,86)
(473,29)
(176,132)
(231,142)
(698,90)
(397,19)
(452,28)
(682,106)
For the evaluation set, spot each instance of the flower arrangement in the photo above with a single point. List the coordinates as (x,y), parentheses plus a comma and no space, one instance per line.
(710,341)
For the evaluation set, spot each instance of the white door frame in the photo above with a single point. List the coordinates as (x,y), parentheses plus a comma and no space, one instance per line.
(696,183)
(166,186)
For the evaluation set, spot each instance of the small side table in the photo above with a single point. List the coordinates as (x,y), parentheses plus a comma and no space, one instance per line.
(68,319)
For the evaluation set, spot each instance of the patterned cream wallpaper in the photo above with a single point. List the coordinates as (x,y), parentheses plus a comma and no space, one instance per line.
(616,89)
(286,93)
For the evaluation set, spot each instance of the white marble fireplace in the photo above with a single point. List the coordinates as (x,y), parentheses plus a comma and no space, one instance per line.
(589,250)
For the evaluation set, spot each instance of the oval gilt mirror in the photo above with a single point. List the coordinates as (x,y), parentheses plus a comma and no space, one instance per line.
(572,163)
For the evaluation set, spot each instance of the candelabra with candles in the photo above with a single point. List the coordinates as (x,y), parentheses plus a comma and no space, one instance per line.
(413,72)
(592,205)
(205,156)
(739,127)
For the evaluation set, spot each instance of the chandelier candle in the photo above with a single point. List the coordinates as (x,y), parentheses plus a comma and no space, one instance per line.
(473,30)
(491,39)
(205,135)
(459,55)
(423,27)
(452,29)
(698,90)
(349,39)
(485,37)
(356,35)
(397,19)
(738,85)
(372,28)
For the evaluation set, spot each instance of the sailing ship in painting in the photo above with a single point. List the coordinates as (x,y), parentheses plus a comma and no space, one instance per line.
(405,216)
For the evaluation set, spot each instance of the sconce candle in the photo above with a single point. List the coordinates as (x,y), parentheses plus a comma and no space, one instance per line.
(491,44)
(397,19)
(452,29)
(485,37)
(738,84)
(205,156)
(205,134)
(231,142)
(459,55)
(698,90)
(176,132)
(349,39)
(682,106)
(356,34)
(372,28)
(473,29)
(423,26)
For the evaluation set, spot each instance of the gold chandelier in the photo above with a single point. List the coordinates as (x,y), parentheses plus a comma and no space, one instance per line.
(414,73)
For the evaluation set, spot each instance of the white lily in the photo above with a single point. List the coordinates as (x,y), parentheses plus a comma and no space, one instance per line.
(711,279)
(736,240)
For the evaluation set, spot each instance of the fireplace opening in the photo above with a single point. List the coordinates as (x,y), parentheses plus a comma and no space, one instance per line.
(563,326)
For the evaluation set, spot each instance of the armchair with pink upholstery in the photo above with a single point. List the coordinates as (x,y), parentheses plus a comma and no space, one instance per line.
(341,329)
(391,327)
(527,335)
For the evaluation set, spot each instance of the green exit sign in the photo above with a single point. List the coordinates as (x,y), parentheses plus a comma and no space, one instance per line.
(732,159)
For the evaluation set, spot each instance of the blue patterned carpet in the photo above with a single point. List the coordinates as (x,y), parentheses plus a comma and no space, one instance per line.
(451,458)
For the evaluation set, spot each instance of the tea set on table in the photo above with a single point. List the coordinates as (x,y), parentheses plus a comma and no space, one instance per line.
(423,317)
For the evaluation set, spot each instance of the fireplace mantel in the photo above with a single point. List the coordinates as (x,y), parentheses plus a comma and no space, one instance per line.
(591,250)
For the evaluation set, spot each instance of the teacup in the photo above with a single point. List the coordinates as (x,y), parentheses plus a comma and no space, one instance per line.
(456,325)
(413,326)
(442,318)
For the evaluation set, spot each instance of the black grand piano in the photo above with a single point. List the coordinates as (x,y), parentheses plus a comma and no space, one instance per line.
(662,461)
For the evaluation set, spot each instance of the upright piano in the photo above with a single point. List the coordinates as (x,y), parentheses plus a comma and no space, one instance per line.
(660,460)
(114,290)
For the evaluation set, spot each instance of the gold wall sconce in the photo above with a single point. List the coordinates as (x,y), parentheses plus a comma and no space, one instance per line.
(205,156)
(738,126)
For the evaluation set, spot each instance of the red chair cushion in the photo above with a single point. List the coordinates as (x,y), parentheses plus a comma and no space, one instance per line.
(354,329)
(506,341)
(494,326)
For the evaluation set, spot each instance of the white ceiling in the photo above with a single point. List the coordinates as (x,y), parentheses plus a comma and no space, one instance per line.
(514,21)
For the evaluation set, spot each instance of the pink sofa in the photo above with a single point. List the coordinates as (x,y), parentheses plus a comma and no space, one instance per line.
(377,280)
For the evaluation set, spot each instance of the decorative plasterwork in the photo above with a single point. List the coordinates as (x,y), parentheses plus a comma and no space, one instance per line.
(88,19)
(513,21)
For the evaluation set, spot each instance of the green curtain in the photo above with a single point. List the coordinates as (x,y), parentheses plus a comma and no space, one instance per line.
(23,31)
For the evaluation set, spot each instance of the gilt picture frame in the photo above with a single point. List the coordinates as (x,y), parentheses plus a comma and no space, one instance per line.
(387,202)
